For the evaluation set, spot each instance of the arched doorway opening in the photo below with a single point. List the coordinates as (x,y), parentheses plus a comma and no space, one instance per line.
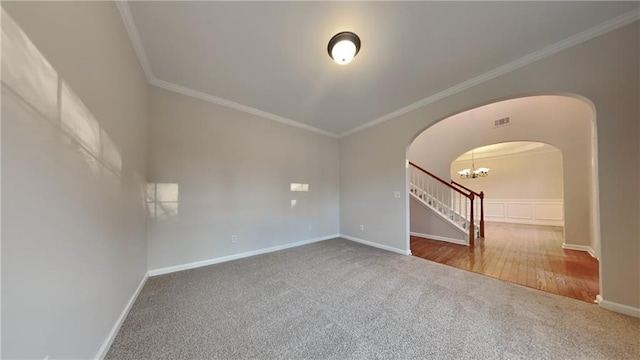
(562,124)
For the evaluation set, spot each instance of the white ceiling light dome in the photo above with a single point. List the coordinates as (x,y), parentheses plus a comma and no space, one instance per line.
(343,47)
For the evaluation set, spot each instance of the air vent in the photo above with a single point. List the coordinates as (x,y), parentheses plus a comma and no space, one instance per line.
(501,122)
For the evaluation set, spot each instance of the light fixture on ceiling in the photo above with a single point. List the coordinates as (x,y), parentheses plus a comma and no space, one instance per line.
(343,47)
(473,172)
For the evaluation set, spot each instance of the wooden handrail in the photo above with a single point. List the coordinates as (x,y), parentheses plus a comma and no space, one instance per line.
(439,179)
(466,188)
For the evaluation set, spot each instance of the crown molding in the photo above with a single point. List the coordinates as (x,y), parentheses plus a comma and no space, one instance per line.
(234,105)
(132,30)
(603,28)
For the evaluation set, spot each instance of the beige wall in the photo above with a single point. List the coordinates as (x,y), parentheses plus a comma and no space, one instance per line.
(233,173)
(536,175)
(74,109)
(604,70)
(522,188)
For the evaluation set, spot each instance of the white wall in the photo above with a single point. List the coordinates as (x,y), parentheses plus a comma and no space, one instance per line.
(233,173)
(73,162)
(561,121)
(428,224)
(604,70)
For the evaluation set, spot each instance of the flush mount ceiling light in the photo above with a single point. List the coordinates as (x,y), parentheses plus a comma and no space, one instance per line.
(343,47)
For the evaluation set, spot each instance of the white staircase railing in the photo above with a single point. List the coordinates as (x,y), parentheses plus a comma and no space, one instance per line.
(478,203)
(452,203)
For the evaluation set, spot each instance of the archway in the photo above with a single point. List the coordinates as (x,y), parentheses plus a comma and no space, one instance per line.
(564,122)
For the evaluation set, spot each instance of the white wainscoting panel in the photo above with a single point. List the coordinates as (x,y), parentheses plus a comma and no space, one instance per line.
(493,210)
(519,210)
(525,211)
(548,211)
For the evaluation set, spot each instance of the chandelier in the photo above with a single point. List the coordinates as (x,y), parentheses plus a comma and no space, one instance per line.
(473,172)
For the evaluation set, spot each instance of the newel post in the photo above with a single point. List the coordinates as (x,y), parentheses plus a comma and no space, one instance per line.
(472,235)
(482,214)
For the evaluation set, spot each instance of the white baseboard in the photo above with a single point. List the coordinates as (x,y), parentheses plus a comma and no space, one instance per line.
(580,248)
(619,308)
(440,238)
(193,265)
(376,245)
(116,327)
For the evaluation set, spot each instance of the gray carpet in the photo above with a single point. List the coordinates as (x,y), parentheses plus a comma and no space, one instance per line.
(340,300)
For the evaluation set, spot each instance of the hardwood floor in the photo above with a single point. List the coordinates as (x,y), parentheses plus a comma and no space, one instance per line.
(523,254)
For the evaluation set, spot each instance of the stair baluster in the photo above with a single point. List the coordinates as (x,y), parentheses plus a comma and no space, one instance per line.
(454,203)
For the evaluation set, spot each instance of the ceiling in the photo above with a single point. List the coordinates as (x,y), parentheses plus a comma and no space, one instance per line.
(507,149)
(270,58)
